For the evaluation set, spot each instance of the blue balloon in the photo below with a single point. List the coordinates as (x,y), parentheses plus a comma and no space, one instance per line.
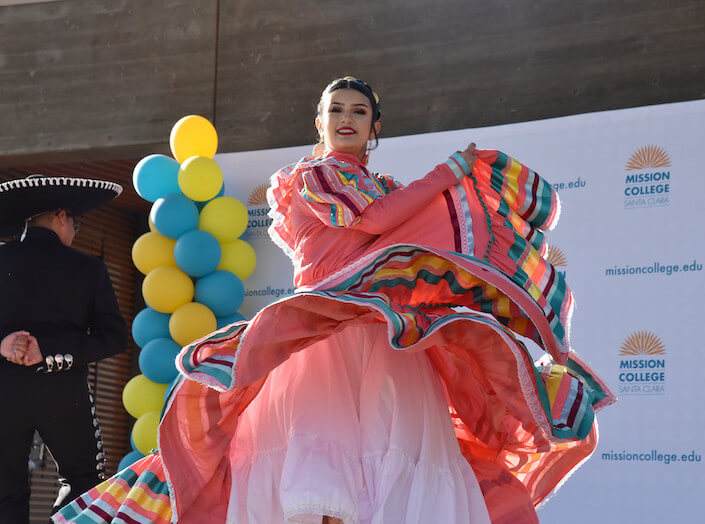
(173,215)
(221,291)
(201,205)
(197,253)
(157,360)
(132,442)
(129,459)
(155,176)
(148,325)
(229,319)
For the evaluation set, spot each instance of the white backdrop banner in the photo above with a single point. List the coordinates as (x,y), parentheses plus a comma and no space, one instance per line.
(630,243)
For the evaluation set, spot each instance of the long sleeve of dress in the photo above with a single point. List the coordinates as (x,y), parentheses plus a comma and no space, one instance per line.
(341,199)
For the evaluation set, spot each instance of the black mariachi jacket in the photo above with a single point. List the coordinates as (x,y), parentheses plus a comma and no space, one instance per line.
(62,297)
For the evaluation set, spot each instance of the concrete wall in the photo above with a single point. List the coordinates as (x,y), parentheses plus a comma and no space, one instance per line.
(106,76)
(103,79)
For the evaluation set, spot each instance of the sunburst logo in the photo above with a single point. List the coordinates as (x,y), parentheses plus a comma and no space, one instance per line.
(258,197)
(648,157)
(556,257)
(642,343)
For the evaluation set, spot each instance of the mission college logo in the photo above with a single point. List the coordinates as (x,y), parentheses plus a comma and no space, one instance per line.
(257,211)
(642,368)
(556,258)
(648,178)
(258,197)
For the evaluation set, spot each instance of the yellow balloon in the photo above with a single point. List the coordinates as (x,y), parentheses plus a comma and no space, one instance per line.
(166,288)
(238,257)
(152,250)
(151,224)
(193,135)
(145,431)
(200,178)
(191,322)
(224,217)
(142,395)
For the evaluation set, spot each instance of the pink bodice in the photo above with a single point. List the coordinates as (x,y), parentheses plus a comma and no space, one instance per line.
(331,211)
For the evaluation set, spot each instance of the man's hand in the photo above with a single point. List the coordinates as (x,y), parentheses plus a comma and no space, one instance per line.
(33,355)
(14,346)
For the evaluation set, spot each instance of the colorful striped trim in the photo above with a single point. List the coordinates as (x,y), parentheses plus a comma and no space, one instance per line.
(458,166)
(527,319)
(387,182)
(524,202)
(340,186)
(400,268)
(131,496)
(572,399)
(215,370)
(525,191)
(602,395)
(461,218)
(488,224)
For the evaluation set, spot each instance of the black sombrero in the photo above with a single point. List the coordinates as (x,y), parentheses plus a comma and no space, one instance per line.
(24,198)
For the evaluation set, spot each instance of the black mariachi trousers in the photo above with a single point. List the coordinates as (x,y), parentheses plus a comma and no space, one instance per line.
(60,407)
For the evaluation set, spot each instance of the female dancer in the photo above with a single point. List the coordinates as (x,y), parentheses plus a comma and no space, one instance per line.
(391,387)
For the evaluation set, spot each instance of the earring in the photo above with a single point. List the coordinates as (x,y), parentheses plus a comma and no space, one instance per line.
(319,148)
(368,152)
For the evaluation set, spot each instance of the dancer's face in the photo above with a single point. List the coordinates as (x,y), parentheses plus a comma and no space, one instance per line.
(345,122)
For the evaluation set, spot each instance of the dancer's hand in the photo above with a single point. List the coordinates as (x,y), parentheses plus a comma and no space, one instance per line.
(469,155)
(14,346)
(33,355)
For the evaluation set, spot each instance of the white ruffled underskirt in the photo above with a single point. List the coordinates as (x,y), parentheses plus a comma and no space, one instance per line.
(352,429)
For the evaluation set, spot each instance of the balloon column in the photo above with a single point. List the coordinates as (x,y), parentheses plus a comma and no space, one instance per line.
(193,262)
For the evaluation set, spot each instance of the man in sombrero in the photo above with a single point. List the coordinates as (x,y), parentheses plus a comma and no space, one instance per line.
(58,312)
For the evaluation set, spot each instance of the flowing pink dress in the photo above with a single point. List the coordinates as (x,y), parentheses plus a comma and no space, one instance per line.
(391,387)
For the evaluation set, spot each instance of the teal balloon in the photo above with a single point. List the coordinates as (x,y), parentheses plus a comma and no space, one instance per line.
(197,253)
(157,360)
(129,459)
(221,291)
(229,319)
(148,325)
(156,176)
(173,215)
(201,205)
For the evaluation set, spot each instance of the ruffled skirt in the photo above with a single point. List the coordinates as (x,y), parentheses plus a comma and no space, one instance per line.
(352,429)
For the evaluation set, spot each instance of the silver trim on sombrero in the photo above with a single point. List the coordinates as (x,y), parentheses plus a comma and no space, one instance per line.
(41,181)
